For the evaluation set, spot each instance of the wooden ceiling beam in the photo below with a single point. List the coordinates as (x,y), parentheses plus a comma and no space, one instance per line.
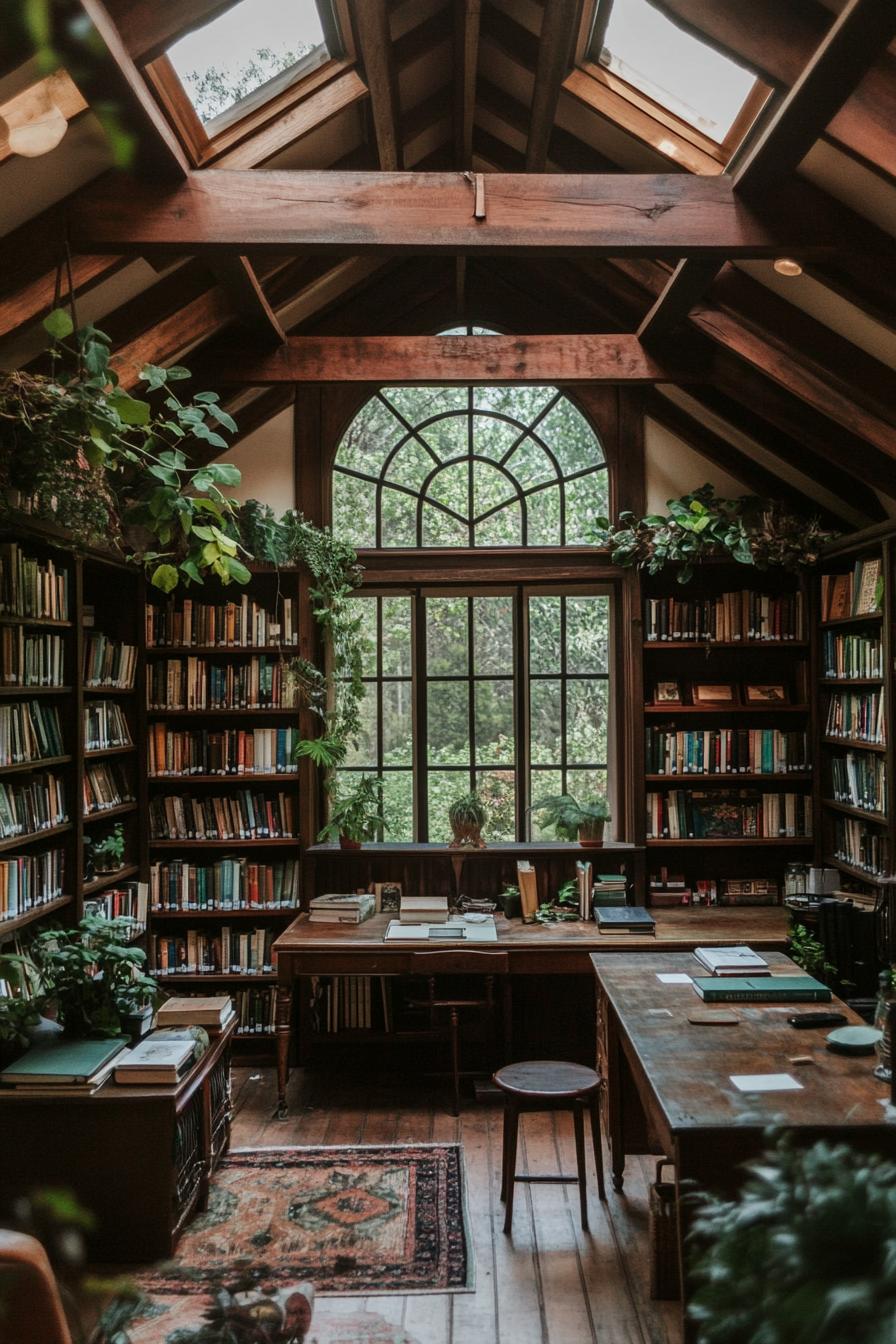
(758,479)
(247,299)
(654,215)
(455,360)
(846,51)
(467,14)
(777,41)
(371,20)
(558,29)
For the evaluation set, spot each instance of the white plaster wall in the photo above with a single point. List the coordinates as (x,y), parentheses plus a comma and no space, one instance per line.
(265,459)
(673,469)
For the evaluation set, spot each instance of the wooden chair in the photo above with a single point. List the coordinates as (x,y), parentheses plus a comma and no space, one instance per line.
(32,1308)
(549,1085)
(444,1013)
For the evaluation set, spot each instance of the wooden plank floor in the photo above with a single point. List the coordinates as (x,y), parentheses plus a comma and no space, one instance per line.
(550,1283)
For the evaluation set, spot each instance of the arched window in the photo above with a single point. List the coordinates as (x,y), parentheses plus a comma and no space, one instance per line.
(503,688)
(468,466)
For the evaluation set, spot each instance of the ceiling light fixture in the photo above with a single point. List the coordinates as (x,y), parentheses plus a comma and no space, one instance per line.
(787,266)
(34,135)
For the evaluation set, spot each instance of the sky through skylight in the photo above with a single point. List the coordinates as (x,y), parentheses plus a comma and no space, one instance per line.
(676,70)
(229,58)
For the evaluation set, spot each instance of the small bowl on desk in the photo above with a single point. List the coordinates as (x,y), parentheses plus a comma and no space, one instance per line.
(857,1040)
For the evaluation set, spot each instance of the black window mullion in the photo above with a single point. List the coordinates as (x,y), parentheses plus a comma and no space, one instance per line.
(563,707)
(522,746)
(471,694)
(420,729)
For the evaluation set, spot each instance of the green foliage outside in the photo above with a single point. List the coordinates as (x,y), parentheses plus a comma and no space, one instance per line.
(214,90)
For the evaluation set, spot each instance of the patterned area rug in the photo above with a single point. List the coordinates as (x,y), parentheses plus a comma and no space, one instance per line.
(352,1221)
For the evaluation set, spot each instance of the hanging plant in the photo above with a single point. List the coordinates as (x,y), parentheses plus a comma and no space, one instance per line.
(335,695)
(110,467)
(701,526)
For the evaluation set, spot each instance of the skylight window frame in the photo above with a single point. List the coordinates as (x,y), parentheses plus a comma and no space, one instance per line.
(669,124)
(207,142)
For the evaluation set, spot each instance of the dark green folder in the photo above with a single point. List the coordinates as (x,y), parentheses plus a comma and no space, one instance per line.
(761,989)
(70,1062)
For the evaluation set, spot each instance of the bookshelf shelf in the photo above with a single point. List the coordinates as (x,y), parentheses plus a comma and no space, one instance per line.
(207,650)
(246,778)
(850,620)
(734,842)
(725,781)
(41,763)
(47,834)
(216,977)
(43,622)
(860,873)
(96,752)
(109,879)
(879,818)
(672,711)
(290,841)
(27,691)
(8,926)
(854,744)
(103,691)
(259,912)
(119,810)
(156,713)
(835,683)
(651,645)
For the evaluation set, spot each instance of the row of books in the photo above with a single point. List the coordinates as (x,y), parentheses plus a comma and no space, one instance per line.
(241,815)
(105,786)
(29,731)
(854,594)
(230,884)
(31,660)
(862,846)
(670,889)
(28,881)
(105,726)
(846,656)
(227,951)
(728,618)
(255,1009)
(860,779)
(31,805)
(859,715)
(107,662)
(684,814)
(260,751)
(129,901)
(724,751)
(242,624)
(30,587)
(351,1003)
(194,683)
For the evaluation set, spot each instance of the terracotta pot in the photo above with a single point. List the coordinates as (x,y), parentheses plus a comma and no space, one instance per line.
(467,837)
(591,835)
(345,842)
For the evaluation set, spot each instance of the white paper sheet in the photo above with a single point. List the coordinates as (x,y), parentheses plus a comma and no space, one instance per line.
(765,1082)
(676,978)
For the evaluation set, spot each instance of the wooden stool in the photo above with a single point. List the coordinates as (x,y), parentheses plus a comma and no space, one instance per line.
(549,1085)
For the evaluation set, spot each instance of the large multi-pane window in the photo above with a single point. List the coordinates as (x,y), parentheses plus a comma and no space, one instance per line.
(501,689)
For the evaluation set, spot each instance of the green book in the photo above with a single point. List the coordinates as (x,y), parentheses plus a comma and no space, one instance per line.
(761,989)
(70,1062)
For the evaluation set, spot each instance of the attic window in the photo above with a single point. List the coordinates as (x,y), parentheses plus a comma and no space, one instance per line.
(246,55)
(636,42)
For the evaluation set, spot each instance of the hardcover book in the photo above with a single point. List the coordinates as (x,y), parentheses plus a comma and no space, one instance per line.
(762,989)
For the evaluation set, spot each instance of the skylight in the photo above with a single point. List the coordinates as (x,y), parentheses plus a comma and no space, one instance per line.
(675,69)
(222,64)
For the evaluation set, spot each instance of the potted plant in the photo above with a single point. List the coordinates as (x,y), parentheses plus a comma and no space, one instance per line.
(467,817)
(804,1255)
(95,980)
(571,820)
(107,855)
(21,1007)
(358,816)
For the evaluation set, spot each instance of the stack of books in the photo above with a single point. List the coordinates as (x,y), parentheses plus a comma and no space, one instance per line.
(423,909)
(213,1012)
(161,1059)
(624,919)
(336,909)
(609,889)
(738,960)
(70,1069)
(854,594)
(667,889)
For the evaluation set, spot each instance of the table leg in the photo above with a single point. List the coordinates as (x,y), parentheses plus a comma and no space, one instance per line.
(284,1037)
(614,1085)
(507,1018)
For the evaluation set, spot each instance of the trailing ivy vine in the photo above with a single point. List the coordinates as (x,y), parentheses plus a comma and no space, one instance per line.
(701,525)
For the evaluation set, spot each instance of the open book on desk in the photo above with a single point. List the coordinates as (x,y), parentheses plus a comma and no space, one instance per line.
(454,931)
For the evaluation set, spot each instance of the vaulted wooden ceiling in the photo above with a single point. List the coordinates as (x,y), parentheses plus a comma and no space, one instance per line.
(794,384)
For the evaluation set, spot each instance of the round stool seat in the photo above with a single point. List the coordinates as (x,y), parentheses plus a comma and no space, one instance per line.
(551,1079)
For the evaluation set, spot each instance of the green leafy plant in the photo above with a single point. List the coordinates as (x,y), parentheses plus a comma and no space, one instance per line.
(358,815)
(804,1255)
(467,817)
(108,853)
(565,905)
(334,696)
(93,976)
(241,1312)
(805,949)
(108,466)
(702,525)
(571,820)
(21,1003)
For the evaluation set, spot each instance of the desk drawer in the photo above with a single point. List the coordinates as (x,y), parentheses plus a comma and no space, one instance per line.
(350,963)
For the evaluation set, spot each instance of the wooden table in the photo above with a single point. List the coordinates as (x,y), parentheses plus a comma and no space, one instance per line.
(668,1082)
(305,949)
(139,1158)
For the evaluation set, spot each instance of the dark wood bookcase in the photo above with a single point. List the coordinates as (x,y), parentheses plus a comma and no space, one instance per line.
(782,658)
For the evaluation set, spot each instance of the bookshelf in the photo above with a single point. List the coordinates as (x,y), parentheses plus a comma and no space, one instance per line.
(854,692)
(726,734)
(223,817)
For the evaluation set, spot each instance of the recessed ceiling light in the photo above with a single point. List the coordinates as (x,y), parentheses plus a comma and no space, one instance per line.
(787,266)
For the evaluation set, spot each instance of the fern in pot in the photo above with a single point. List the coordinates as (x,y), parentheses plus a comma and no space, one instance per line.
(357,816)
(572,820)
(467,818)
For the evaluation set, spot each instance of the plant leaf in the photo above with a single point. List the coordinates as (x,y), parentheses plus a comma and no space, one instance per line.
(59,324)
(164,577)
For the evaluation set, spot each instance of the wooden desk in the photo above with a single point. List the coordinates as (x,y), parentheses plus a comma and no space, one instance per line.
(139,1158)
(306,949)
(668,1087)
